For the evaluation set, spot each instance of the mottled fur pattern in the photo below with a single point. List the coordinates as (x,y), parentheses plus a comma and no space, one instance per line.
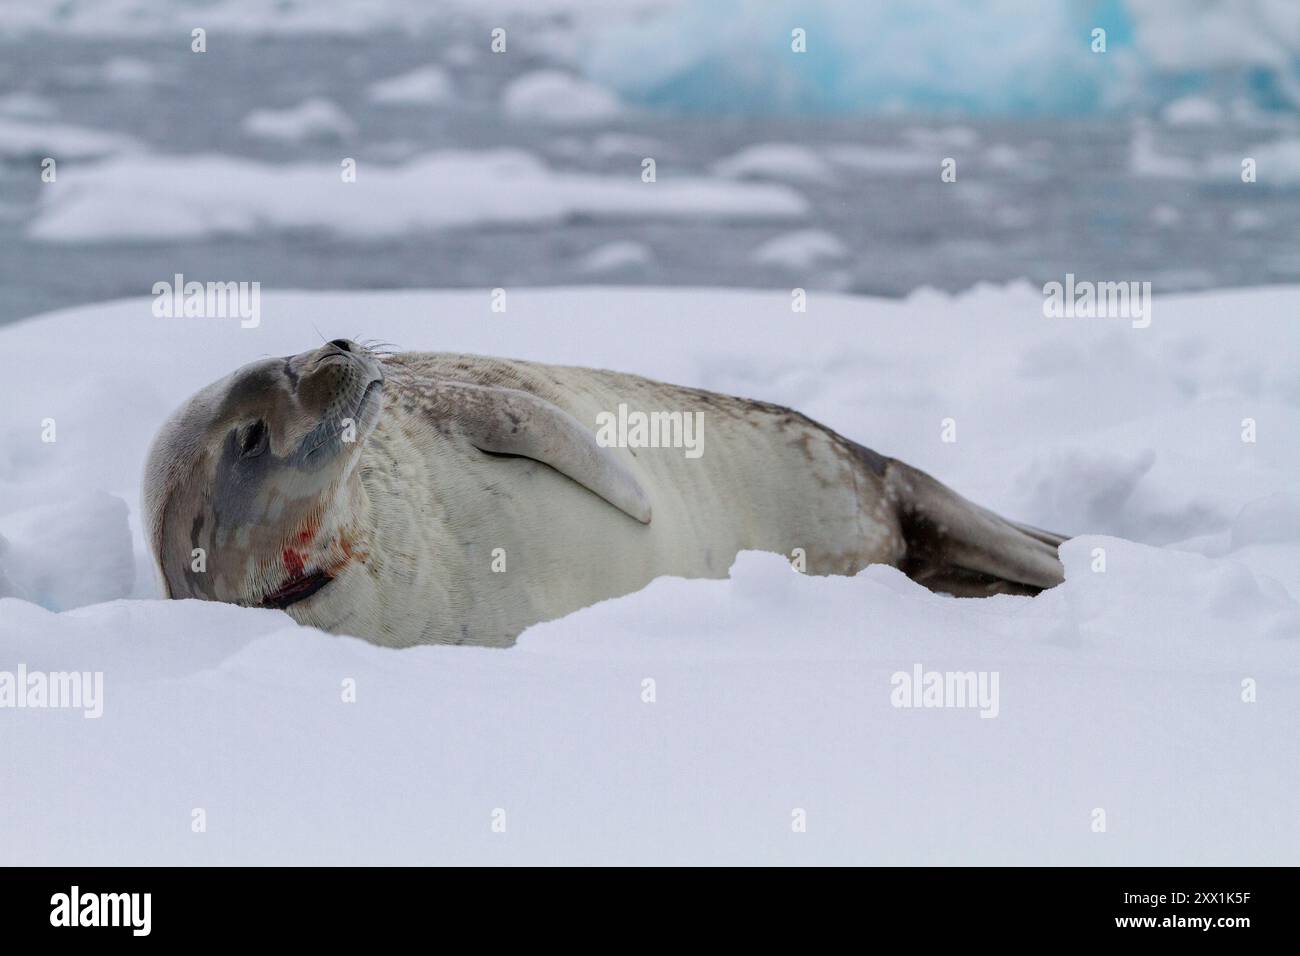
(407,529)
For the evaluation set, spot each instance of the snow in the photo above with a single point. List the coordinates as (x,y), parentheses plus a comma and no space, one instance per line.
(424,86)
(1121,690)
(67,554)
(558,98)
(312,119)
(160,197)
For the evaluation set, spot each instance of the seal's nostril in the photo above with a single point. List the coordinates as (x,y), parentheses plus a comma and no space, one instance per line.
(343,344)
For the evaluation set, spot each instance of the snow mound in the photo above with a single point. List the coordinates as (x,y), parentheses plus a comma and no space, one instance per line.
(1274,519)
(1193,605)
(689,723)
(69,554)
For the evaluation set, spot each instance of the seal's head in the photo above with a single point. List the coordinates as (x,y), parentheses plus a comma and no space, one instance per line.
(244,483)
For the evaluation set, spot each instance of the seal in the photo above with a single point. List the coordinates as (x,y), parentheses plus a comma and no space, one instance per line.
(439,498)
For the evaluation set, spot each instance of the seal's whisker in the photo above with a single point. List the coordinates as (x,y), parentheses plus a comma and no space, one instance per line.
(376,347)
(398,371)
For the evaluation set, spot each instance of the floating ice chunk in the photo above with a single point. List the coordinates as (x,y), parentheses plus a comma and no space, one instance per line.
(26,138)
(1002,156)
(558,98)
(1248,220)
(153,197)
(461,55)
(428,85)
(802,249)
(1166,216)
(127,71)
(607,145)
(1146,159)
(883,159)
(26,105)
(614,257)
(1276,163)
(1192,111)
(314,118)
(944,136)
(778,161)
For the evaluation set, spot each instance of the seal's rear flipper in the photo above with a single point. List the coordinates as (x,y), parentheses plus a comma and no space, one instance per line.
(959,548)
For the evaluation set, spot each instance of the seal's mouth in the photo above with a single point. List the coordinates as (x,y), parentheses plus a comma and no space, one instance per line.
(296,589)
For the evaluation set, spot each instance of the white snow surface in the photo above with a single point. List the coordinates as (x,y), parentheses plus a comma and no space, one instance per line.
(1119,690)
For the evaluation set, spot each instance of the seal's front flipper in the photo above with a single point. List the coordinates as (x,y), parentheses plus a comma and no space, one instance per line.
(507,421)
(959,548)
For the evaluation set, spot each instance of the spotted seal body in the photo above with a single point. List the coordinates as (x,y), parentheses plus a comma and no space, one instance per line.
(436,498)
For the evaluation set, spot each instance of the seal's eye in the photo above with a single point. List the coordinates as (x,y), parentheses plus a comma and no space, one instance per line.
(255,439)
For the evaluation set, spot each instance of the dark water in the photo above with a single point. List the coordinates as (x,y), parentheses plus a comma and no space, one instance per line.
(1067,201)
